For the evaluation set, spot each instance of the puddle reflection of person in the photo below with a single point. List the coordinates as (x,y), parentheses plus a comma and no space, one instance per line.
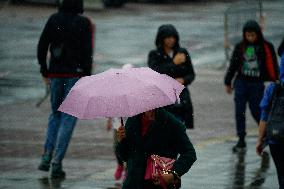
(50,183)
(239,175)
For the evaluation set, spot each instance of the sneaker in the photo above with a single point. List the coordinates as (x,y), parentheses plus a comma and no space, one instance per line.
(118,172)
(45,162)
(56,171)
(240,146)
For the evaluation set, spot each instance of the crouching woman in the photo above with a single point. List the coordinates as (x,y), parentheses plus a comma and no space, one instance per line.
(155,132)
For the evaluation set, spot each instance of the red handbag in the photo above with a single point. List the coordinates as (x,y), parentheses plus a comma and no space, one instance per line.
(157,165)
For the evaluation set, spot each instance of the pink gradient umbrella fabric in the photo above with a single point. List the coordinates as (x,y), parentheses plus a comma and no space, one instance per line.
(120,93)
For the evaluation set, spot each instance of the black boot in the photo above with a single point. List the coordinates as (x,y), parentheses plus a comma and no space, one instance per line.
(56,171)
(240,146)
(45,162)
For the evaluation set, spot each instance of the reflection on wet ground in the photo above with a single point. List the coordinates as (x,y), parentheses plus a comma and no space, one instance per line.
(217,167)
(49,183)
(240,172)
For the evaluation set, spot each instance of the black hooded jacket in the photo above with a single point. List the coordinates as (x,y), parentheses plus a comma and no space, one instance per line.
(281,48)
(159,61)
(69,37)
(264,49)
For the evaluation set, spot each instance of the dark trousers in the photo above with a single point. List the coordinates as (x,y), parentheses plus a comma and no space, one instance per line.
(251,93)
(277,153)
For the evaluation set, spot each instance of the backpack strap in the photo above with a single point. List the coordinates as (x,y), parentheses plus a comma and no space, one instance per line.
(276,91)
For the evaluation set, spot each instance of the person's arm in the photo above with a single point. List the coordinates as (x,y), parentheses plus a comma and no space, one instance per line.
(123,135)
(189,78)
(265,106)
(233,68)
(187,154)
(88,47)
(157,63)
(42,48)
(261,136)
(185,149)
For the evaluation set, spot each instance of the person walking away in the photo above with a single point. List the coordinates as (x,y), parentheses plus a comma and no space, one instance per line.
(169,58)
(252,63)
(155,132)
(272,116)
(69,37)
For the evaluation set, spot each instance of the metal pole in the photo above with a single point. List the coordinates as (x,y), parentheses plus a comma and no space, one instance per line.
(260,8)
(261,16)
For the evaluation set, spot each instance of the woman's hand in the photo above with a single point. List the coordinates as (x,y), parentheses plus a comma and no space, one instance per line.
(120,134)
(259,147)
(45,80)
(168,178)
(179,58)
(180,80)
(261,136)
(228,89)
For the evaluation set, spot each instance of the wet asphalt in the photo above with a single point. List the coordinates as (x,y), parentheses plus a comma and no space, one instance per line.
(125,36)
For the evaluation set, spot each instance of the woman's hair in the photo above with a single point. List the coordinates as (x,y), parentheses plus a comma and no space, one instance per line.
(72,6)
(164,31)
(253,26)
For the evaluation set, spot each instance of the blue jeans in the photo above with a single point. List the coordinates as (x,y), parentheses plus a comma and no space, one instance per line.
(251,93)
(60,125)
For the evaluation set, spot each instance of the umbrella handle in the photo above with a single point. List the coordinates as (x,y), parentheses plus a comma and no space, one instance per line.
(121,121)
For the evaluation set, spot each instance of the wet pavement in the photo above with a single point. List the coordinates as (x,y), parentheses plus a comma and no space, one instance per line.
(90,163)
(125,36)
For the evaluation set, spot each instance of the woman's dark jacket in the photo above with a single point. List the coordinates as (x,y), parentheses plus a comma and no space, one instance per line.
(69,36)
(265,66)
(161,62)
(166,137)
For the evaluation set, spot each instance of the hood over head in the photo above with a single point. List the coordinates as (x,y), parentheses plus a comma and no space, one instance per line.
(72,6)
(164,31)
(253,26)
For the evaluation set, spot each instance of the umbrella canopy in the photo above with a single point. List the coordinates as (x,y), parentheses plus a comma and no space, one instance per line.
(120,93)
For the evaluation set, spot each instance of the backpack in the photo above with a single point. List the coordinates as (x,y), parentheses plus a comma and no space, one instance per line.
(275,122)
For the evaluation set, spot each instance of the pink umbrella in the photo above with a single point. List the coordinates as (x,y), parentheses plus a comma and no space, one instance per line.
(120,93)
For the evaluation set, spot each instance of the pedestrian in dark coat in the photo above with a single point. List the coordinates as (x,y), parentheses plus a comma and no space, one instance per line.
(69,37)
(253,62)
(154,132)
(169,58)
(276,147)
